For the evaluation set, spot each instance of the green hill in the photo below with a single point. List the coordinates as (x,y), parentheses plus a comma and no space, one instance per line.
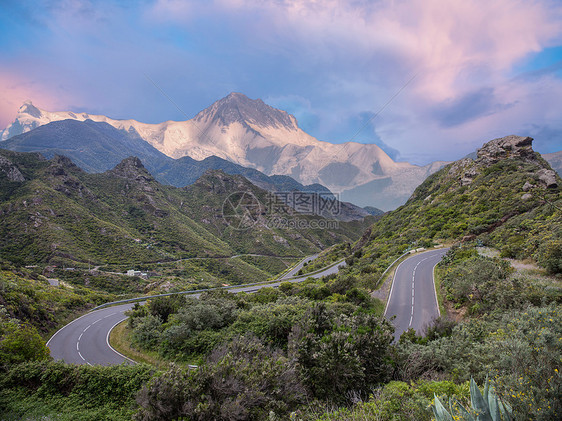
(507,197)
(55,214)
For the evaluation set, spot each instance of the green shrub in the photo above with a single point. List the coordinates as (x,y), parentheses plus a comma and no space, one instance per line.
(338,354)
(52,389)
(20,342)
(243,379)
(550,256)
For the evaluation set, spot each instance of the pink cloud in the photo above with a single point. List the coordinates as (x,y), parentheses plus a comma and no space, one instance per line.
(453,43)
(14,90)
(457,48)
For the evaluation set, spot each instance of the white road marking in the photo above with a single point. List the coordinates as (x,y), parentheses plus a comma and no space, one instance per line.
(430,256)
(413,289)
(109,345)
(80,337)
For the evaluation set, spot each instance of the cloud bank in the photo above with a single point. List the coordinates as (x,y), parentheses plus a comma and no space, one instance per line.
(480,69)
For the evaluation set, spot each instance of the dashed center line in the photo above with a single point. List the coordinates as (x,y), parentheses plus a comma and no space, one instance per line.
(84,331)
(414,289)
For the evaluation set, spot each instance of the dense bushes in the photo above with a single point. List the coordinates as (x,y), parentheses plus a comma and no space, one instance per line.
(338,354)
(183,328)
(70,392)
(241,380)
(20,342)
(331,356)
(328,349)
(482,284)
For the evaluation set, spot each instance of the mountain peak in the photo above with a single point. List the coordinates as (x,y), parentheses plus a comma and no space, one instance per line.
(238,108)
(28,108)
(132,168)
(237,96)
(511,146)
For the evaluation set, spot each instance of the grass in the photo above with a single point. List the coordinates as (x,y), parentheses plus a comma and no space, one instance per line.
(440,300)
(119,340)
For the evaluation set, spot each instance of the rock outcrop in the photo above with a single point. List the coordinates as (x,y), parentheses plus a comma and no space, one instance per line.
(506,147)
(133,169)
(547,177)
(494,151)
(12,172)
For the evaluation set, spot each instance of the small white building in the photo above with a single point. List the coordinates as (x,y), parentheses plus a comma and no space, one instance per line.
(132,272)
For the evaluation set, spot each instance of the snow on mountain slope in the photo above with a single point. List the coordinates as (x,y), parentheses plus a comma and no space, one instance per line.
(253,134)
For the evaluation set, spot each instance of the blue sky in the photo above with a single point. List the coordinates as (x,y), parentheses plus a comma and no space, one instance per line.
(480,69)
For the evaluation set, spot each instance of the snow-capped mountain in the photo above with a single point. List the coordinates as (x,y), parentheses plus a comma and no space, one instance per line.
(253,134)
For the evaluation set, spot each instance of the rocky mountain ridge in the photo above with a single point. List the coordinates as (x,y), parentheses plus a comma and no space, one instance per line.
(253,134)
(507,196)
(97,147)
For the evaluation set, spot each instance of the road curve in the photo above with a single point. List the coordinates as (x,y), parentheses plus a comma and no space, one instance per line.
(413,299)
(85,340)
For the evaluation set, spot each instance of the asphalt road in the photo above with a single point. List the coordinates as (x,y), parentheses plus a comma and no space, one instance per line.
(86,339)
(412,297)
(298,267)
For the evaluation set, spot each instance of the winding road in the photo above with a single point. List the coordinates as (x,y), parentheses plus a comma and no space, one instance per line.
(413,298)
(86,339)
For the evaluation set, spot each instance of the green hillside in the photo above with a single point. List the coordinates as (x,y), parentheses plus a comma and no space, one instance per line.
(55,214)
(317,350)
(508,198)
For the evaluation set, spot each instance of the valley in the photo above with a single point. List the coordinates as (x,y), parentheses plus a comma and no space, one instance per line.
(323,332)
(124,219)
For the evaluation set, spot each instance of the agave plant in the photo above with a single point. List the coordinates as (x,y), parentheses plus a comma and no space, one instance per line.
(485,407)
